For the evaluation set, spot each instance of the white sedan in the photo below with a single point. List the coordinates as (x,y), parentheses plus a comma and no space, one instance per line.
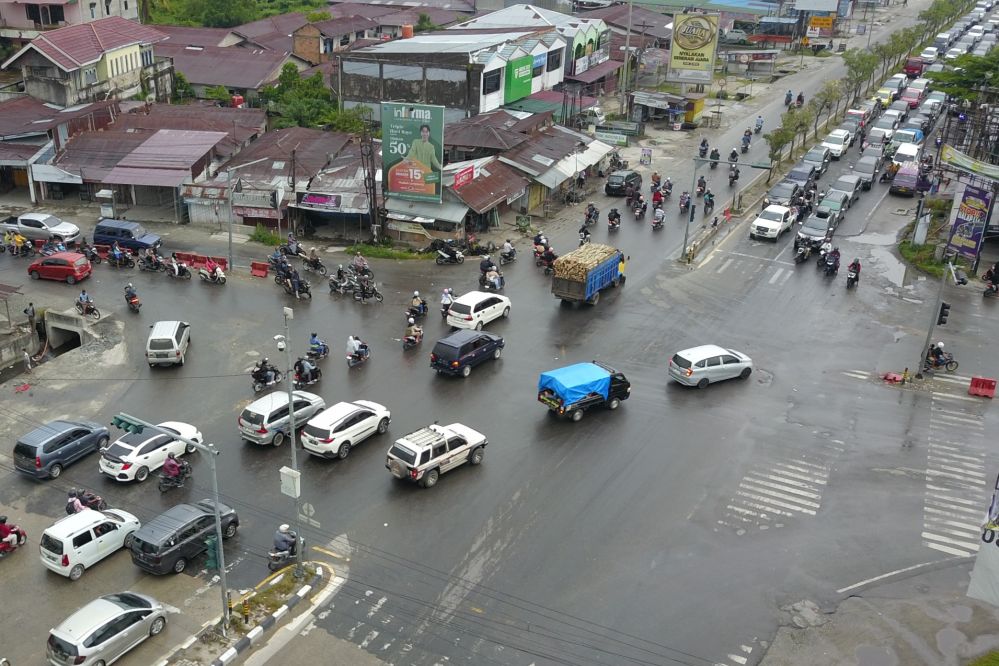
(333,432)
(133,456)
(837,142)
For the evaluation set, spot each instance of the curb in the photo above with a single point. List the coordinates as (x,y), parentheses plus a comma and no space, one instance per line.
(268,622)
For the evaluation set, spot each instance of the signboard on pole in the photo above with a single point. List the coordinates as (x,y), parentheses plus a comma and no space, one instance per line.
(518,79)
(969,225)
(693,48)
(413,150)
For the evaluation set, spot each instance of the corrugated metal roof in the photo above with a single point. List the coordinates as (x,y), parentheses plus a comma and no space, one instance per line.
(282,23)
(494,183)
(72,47)
(642,20)
(345,26)
(172,149)
(17,154)
(94,154)
(25,116)
(594,73)
(270,156)
(232,67)
(240,125)
(190,36)
(448,211)
(122,175)
(442,42)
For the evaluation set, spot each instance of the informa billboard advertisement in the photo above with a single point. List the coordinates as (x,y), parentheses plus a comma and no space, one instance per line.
(693,49)
(969,225)
(518,79)
(413,150)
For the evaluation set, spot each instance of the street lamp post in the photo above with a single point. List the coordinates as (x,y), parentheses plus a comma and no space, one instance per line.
(285,343)
(212,452)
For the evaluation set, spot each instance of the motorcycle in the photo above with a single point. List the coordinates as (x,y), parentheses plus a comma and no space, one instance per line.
(410,341)
(304,289)
(183,272)
(362,293)
(990,290)
(153,264)
(639,212)
(89,501)
(300,384)
(732,178)
(89,310)
(613,223)
(709,206)
(684,203)
(851,279)
(592,215)
(508,258)
(830,266)
(260,380)
(667,190)
(445,258)
(417,312)
(585,238)
(802,253)
(657,223)
(315,266)
(758,128)
(364,271)
(125,261)
(488,285)
(948,363)
(354,360)
(715,158)
(168,482)
(548,264)
(277,559)
(216,277)
(699,192)
(299,252)
(342,286)
(22,538)
(133,302)
(318,354)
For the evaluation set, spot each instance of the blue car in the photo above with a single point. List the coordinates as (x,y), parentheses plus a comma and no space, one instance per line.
(130,235)
(46,450)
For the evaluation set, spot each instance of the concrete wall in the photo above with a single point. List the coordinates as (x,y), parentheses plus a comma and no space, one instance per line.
(11,346)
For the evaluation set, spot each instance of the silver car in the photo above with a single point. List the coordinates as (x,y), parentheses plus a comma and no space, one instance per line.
(105,629)
(700,366)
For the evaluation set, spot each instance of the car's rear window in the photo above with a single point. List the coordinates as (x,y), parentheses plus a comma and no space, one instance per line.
(161,343)
(24,449)
(403,454)
(615,180)
(141,546)
(61,648)
(445,351)
(316,431)
(461,308)
(680,361)
(52,545)
(251,417)
(117,451)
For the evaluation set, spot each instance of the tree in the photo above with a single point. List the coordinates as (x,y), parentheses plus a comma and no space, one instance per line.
(424,24)
(832,90)
(223,13)
(803,119)
(181,88)
(316,17)
(218,93)
(777,140)
(860,66)
(967,76)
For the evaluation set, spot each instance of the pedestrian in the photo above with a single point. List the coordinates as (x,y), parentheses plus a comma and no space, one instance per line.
(27,360)
(30,313)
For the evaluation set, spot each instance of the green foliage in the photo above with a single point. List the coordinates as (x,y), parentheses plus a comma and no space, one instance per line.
(968,75)
(223,13)
(382,252)
(424,24)
(219,93)
(298,102)
(316,17)
(990,659)
(265,236)
(777,140)
(860,66)
(181,88)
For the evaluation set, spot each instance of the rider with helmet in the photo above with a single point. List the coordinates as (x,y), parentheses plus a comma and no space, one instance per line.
(171,468)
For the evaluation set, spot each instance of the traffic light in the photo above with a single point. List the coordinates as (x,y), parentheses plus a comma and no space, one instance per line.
(944,311)
(123,423)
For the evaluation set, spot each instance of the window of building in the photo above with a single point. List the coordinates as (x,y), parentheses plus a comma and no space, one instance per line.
(538,71)
(344,40)
(90,75)
(554,60)
(31,11)
(359,34)
(126,5)
(491,81)
(107,7)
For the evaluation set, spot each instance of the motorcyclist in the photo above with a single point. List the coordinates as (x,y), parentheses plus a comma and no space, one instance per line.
(747,138)
(660,216)
(418,304)
(935,354)
(355,347)
(295,281)
(359,263)
(629,193)
(306,370)
(549,256)
(657,199)
(212,267)
(85,300)
(493,276)
(788,98)
(854,267)
(703,148)
(733,173)
(447,298)
(667,187)
(276,256)
(759,123)
(991,275)
(835,255)
(283,268)
(733,157)
(7,535)
(116,253)
(539,239)
(293,246)
(715,155)
(340,277)
(49,247)
(316,345)
(656,180)
(73,503)
(614,216)
(285,541)
(702,184)
(20,243)
(264,371)
(171,468)
(684,200)
(8,238)
(414,331)
(640,202)
(508,251)
(174,264)
(801,98)
(313,258)
(709,199)
(129,292)
(584,233)
(486,264)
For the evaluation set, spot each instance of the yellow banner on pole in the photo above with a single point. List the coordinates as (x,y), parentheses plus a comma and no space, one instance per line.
(695,39)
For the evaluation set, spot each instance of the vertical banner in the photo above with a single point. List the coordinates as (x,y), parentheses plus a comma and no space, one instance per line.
(413,150)
(518,79)
(969,226)
(693,48)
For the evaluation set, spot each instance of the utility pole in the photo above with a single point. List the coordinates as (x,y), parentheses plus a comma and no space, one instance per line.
(132,424)
(289,314)
(627,58)
(229,185)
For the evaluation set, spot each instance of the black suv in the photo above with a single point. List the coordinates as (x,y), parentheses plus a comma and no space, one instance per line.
(619,181)
(170,540)
(458,352)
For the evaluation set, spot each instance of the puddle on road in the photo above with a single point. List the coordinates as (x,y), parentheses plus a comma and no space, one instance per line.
(884,262)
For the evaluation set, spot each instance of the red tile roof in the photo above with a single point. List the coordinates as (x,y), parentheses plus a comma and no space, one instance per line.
(188,36)
(77,45)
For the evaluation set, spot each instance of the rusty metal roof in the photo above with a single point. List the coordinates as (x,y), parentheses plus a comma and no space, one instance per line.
(74,46)
(232,67)
(494,183)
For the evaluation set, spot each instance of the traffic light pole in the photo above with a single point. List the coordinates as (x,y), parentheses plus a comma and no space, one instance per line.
(936,315)
(212,452)
(290,375)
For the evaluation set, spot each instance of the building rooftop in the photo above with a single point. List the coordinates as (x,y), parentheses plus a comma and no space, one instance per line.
(94,154)
(281,23)
(345,26)
(74,46)
(466,6)
(530,16)
(446,42)
(190,36)
(226,66)
(27,116)
(494,182)
(643,21)
(240,125)
(545,149)
(269,158)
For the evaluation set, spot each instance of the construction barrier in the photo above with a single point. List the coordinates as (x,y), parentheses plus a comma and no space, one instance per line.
(223,262)
(982,386)
(186,257)
(258,268)
(199,260)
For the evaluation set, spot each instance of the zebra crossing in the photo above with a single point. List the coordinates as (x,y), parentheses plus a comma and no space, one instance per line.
(770,495)
(957,483)
(774,272)
(741,658)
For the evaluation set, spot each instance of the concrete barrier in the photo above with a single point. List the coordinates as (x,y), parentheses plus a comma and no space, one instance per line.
(63,327)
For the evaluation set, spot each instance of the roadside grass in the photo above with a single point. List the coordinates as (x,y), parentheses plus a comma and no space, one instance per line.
(923,257)
(388,252)
(990,659)
(265,236)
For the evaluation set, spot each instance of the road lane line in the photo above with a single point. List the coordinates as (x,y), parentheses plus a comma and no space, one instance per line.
(785,488)
(950,551)
(951,396)
(776,276)
(724,265)
(951,497)
(890,574)
(942,539)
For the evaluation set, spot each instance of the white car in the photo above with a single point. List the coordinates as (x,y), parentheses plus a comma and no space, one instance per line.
(930,54)
(954,53)
(78,542)
(333,432)
(837,142)
(476,309)
(700,366)
(771,222)
(133,456)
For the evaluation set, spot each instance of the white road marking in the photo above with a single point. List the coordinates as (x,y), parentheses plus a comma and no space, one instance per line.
(724,265)
(953,542)
(889,575)
(951,551)
(951,396)
(776,276)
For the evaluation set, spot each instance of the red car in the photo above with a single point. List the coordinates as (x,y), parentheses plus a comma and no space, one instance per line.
(70,267)
(912,96)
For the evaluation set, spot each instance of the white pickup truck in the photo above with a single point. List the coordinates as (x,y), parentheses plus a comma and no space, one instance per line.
(41,226)
(771,222)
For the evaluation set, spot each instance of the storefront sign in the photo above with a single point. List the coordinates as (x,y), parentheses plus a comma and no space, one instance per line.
(516,195)
(693,48)
(246,211)
(518,79)
(969,225)
(413,149)
(464,176)
(821,22)
(540,60)
(321,201)
(612,138)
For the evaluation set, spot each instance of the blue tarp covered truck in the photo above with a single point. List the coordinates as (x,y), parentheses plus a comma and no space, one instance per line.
(571,390)
(582,274)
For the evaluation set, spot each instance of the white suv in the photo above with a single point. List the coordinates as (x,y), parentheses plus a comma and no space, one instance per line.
(333,432)
(771,222)
(477,308)
(422,456)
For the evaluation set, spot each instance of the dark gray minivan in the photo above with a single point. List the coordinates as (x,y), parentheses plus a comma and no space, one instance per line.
(46,450)
(170,540)
(131,235)
(458,352)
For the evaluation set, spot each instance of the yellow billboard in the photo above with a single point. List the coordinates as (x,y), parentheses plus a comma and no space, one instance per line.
(692,51)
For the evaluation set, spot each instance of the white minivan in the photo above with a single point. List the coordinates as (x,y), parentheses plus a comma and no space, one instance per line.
(77,542)
(907,152)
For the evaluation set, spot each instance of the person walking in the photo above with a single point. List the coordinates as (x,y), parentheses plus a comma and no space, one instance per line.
(30,313)
(27,360)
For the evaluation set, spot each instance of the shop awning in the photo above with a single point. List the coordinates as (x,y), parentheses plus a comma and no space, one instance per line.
(598,72)
(446,211)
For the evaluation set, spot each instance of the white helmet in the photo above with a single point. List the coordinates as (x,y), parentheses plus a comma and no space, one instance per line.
(416,293)
(411,321)
(940,345)
(284,528)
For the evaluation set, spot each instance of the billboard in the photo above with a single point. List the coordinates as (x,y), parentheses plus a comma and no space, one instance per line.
(969,224)
(413,150)
(816,5)
(693,48)
(518,79)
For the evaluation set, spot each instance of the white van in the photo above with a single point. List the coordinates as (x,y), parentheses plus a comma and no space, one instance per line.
(77,542)
(907,152)
(168,342)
